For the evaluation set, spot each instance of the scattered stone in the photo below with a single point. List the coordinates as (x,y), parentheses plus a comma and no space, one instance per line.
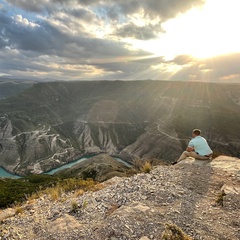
(144,238)
(230,189)
(137,208)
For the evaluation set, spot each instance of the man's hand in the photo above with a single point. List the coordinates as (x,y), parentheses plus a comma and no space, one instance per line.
(190,149)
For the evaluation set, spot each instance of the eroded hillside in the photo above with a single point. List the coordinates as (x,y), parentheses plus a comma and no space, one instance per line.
(54,123)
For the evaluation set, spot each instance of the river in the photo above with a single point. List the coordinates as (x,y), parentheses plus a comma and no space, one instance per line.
(65,166)
(4,174)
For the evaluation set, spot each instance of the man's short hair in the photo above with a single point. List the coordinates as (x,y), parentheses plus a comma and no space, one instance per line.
(197,132)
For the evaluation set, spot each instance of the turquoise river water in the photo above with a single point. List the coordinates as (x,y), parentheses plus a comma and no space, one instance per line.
(4,174)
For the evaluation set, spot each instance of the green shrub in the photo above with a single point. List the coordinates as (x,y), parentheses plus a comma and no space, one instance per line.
(33,186)
(19,187)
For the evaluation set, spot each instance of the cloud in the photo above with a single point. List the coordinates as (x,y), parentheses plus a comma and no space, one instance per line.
(81,13)
(81,39)
(183,59)
(48,38)
(225,67)
(22,35)
(169,9)
(32,6)
(163,8)
(117,16)
(46,49)
(131,30)
(230,78)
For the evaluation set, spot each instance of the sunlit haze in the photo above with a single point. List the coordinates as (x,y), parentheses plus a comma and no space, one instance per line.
(149,39)
(202,32)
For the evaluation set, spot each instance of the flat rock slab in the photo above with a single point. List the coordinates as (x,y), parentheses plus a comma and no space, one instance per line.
(119,224)
(229,164)
(225,163)
(193,161)
(64,224)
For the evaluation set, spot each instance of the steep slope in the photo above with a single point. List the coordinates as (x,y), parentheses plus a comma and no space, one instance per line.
(200,197)
(9,88)
(99,168)
(61,121)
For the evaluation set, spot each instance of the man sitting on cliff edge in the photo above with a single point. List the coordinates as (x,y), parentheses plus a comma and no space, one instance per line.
(197,148)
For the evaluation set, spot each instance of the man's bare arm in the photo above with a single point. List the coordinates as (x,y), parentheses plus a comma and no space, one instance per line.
(190,149)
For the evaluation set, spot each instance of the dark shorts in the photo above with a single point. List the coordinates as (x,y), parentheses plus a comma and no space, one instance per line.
(209,155)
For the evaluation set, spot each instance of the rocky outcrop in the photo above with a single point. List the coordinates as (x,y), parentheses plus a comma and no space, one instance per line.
(5,127)
(185,196)
(149,146)
(32,152)
(97,139)
(99,168)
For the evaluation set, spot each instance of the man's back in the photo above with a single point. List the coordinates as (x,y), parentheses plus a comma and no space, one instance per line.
(200,146)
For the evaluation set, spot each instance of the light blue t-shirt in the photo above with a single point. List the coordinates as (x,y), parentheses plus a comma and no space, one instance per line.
(200,146)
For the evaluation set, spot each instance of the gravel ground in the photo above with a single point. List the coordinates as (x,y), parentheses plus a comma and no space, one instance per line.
(138,207)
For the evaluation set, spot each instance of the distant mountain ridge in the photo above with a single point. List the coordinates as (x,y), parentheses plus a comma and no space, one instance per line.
(10,87)
(53,123)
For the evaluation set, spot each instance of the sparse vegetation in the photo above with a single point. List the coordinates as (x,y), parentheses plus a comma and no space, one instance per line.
(85,203)
(220,198)
(74,206)
(19,210)
(147,167)
(71,184)
(79,192)
(33,196)
(31,187)
(140,165)
(173,232)
(54,193)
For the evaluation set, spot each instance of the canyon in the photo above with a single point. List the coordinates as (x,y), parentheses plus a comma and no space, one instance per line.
(50,124)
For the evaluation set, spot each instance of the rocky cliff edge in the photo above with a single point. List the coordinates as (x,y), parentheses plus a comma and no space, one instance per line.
(200,197)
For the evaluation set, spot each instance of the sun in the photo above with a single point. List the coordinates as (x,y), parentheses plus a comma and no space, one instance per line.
(201,32)
(213,30)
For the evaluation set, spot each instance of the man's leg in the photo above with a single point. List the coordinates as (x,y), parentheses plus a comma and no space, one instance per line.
(197,156)
(184,155)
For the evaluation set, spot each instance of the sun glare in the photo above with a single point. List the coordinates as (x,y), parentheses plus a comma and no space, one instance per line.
(201,32)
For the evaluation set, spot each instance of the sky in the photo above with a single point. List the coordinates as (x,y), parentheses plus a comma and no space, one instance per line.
(183,40)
